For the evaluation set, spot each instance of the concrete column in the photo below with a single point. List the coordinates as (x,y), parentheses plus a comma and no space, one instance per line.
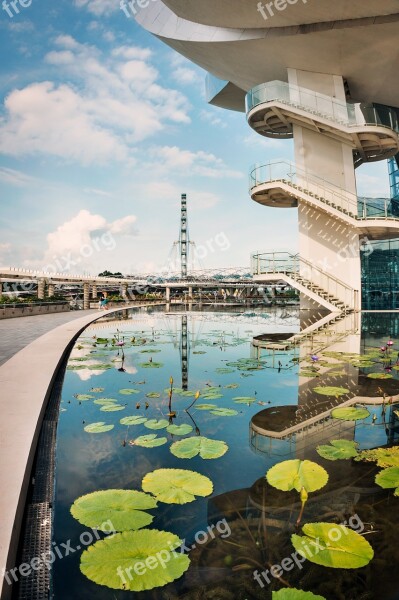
(86,296)
(51,290)
(124,291)
(167,294)
(190,291)
(324,241)
(41,285)
(1,288)
(94,292)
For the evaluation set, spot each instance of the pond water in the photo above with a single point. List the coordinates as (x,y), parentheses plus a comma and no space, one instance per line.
(212,352)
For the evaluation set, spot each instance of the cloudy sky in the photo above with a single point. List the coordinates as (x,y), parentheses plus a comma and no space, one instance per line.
(102,127)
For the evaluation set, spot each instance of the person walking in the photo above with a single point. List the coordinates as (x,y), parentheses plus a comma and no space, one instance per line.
(100,301)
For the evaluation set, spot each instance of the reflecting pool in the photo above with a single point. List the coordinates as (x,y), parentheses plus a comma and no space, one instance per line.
(263,403)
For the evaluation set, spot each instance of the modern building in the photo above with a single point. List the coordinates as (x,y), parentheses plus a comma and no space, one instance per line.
(324,74)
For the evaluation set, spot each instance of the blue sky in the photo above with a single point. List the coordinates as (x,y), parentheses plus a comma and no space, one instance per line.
(102,127)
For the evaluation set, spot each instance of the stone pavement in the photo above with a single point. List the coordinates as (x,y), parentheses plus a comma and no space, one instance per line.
(17,333)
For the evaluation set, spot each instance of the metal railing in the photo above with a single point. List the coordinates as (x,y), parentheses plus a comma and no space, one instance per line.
(305,273)
(344,113)
(358,208)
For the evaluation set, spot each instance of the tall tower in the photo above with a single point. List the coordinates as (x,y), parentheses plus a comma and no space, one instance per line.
(321,85)
(183,238)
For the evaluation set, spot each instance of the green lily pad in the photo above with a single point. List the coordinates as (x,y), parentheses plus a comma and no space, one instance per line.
(174,390)
(339,449)
(84,397)
(389,478)
(183,429)
(199,445)
(293,594)
(133,420)
(149,441)
(153,395)
(205,406)
(101,340)
(199,352)
(124,508)
(100,367)
(129,391)
(224,370)
(187,394)
(108,562)
(105,401)
(297,474)
(330,391)
(224,412)
(98,427)
(334,546)
(350,413)
(363,364)
(150,351)
(244,400)
(97,390)
(384,457)
(308,374)
(212,396)
(150,365)
(112,407)
(155,424)
(210,390)
(176,486)
(231,386)
(379,376)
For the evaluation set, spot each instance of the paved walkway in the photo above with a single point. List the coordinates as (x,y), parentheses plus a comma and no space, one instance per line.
(17,333)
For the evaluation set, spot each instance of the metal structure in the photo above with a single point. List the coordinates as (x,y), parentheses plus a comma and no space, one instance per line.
(183,240)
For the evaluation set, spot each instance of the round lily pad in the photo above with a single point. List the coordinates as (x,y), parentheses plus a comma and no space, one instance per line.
(338,449)
(129,391)
(177,486)
(98,427)
(149,441)
(183,429)
(155,424)
(379,376)
(350,413)
(389,478)
(133,420)
(330,391)
(244,400)
(151,365)
(224,412)
(124,508)
(153,395)
(104,401)
(297,474)
(109,562)
(199,445)
(112,407)
(334,546)
(84,397)
(294,594)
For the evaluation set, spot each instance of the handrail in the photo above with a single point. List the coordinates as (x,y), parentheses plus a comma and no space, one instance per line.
(328,107)
(358,208)
(297,267)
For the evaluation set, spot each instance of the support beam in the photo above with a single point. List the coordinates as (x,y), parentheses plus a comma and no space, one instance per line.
(41,286)
(51,290)
(86,296)
(167,294)
(94,292)
(124,291)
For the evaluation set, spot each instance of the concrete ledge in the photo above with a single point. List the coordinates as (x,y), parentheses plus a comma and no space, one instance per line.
(26,381)
(10,312)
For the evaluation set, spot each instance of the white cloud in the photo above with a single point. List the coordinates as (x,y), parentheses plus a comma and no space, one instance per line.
(109,104)
(209,117)
(98,7)
(17,178)
(200,163)
(165,190)
(124,226)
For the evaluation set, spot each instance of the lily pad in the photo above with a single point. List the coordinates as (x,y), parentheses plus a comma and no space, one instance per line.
(331,391)
(84,397)
(183,429)
(98,427)
(124,508)
(334,546)
(212,396)
(133,420)
(97,390)
(112,407)
(389,478)
(177,486)
(187,394)
(155,424)
(127,552)
(150,365)
(149,441)
(308,374)
(199,445)
(244,400)
(293,594)
(105,401)
(224,370)
(205,406)
(129,391)
(339,449)
(297,474)
(231,386)
(379,376)
(350,413)
(150,351)
(153,395)
(384,457)
(224,412)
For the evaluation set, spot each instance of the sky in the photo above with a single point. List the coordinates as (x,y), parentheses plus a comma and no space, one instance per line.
(102,127)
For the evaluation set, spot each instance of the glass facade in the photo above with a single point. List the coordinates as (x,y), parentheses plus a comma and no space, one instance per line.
(393,166)
(380,275)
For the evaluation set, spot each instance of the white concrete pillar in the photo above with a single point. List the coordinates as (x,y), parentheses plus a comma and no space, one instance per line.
(51,290)
(167,294)
(324,241)
(94,292)
(124,290)
(86,296)
(190,291)
(41,286)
